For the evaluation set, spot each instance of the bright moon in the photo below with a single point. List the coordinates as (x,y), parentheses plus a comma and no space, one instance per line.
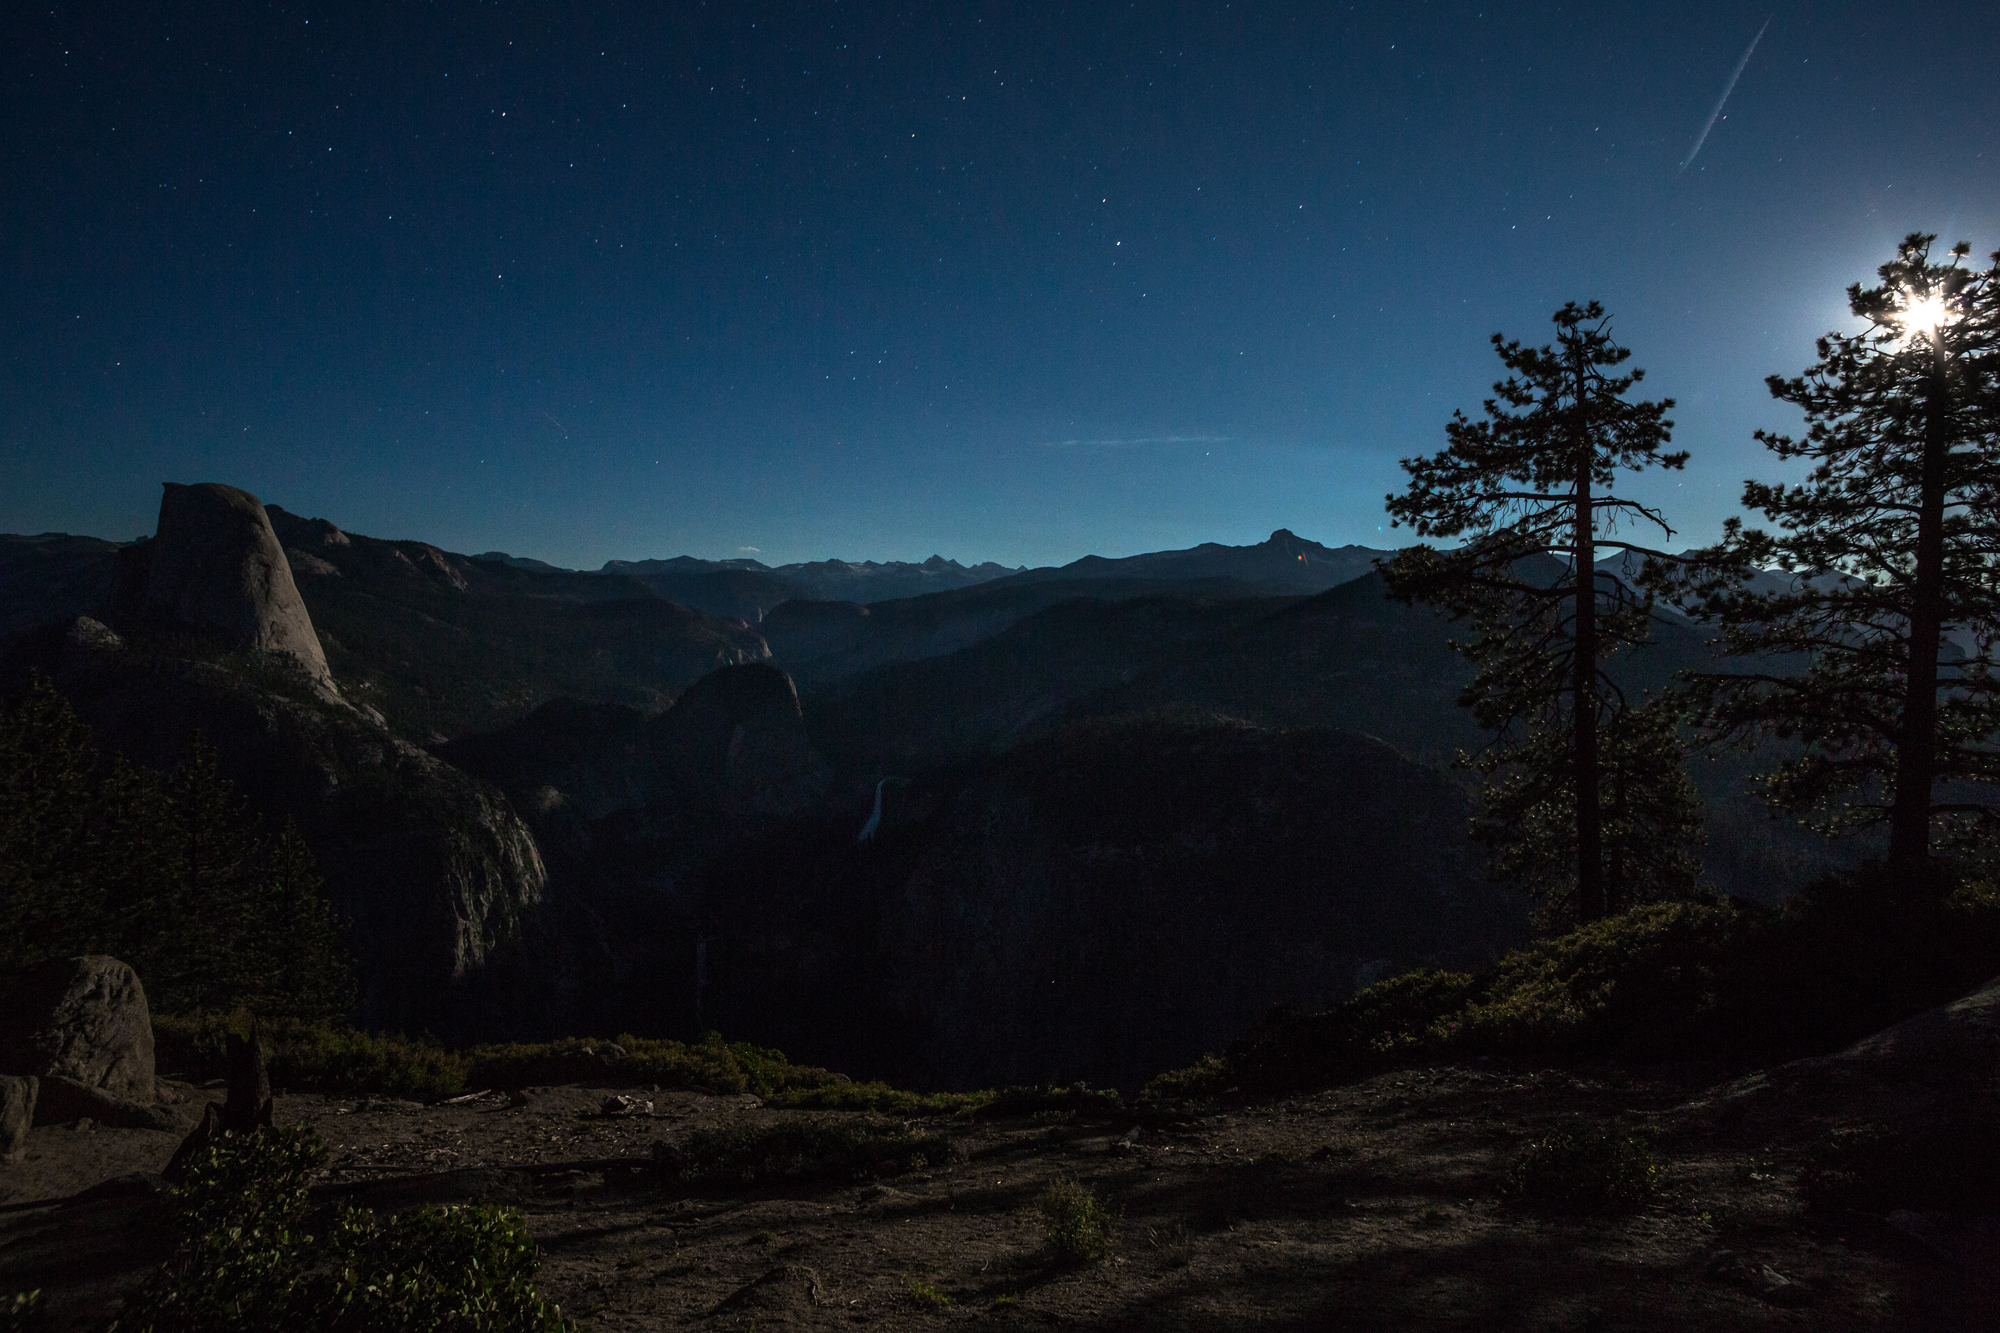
(1923,316)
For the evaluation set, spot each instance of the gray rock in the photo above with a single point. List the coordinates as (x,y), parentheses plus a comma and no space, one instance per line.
(64,1101)
(737,734)
(17,1114)
(83,1019)
(217,567)
(1953,1044)
(87,635)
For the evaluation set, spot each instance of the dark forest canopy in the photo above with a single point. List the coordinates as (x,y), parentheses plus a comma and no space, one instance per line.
(168,872)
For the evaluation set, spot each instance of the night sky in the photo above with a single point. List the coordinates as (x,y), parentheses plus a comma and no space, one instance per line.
(1014,282)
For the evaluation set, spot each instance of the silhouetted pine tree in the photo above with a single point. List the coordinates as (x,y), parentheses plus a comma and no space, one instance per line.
(168,875)
(1651,812)
(47,791)
(1892,540)
(1528,493)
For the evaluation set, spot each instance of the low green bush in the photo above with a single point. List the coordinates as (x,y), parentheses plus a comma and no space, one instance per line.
(1583,1169)
(1652,966)
(313,1057)
(1078,1226)
(810,1147)
(330,1058)
(243,1259)
(1204,1078)
(1682,980)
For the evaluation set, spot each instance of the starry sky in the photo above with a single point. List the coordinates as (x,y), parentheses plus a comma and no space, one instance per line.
(1016,282)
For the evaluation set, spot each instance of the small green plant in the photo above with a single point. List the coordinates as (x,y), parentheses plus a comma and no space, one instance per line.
(1174,1244)
(1583,1169)
(1076,1223)
(762,1238)
(1430,1215)
(20,1313)
(1006,1302)
(1755,1170)
(925,1296)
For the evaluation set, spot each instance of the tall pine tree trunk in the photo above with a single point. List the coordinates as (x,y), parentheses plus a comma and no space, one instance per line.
(1589,815)
(1916,748)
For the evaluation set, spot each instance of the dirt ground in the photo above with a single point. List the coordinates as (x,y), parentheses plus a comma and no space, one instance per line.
(1369,1206)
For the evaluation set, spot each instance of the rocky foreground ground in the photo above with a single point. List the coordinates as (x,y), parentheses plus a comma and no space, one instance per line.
(1367,1206)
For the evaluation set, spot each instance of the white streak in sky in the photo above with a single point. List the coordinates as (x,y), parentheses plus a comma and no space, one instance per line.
(1129,444)
(1727,89)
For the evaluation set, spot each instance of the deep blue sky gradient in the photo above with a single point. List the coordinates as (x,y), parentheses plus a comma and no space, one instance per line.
(1013,282)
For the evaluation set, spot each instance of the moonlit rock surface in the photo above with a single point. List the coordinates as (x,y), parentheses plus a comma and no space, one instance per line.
(217,566)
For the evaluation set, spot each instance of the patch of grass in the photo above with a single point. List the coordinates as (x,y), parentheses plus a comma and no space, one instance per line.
(812,1147)
(925,1296)
(762,1238)
(1583,1169)
(1078,1226)
(1174,1244)
(1006,1302)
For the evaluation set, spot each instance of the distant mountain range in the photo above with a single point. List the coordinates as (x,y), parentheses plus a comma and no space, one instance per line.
(1163,791)
(747,589)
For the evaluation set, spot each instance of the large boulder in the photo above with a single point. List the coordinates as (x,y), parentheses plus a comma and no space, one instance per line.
(216,567)
(83,1019)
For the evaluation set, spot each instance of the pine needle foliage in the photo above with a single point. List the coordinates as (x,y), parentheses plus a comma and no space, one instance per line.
(1529,494)
(168,873)
(1889,609)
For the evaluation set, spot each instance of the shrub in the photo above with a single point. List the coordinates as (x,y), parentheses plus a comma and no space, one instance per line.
(1644,968)
(1583,1169)
(811,1147)
(1076,1223)
(244,1262)
(470,1267)
(1204,1078)
(1669,980)
(315,1057)
(332,1058)
(1394,1020)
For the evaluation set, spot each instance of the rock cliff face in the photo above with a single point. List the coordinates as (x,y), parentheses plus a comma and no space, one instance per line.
(437,875)
(216,567)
